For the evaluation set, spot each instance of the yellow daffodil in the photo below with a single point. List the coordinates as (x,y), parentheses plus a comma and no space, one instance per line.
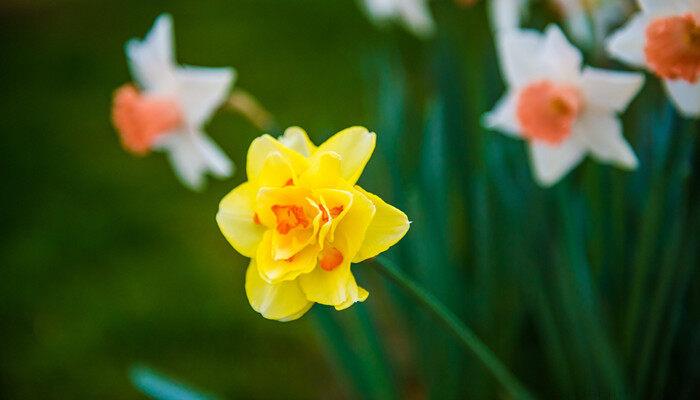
(302,221)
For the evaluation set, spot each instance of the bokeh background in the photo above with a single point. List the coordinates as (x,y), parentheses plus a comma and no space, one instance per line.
(587,290)
(106,260)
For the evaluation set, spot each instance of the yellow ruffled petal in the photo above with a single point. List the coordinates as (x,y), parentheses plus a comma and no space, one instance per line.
(355,146)
(335,204)
(355,294)
(282,301)
(236,219)
(276,171)
(336,287)
(262,147)
(352,228)
(388,226)
(287,243)
(275,271)
(325,171)
(327,287)
(296,139)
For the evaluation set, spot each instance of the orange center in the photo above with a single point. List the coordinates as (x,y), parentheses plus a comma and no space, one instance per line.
(335,211)
(289,217)
(330,258)
(140,119)
(547,111)
(673,47)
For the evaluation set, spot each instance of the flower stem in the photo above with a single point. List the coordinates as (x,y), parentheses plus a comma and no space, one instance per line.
(450,321)
(249,107)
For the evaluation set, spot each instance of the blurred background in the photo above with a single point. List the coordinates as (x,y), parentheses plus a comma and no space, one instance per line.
(107,262)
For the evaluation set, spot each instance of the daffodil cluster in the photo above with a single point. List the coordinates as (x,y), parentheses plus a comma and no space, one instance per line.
(566,111)
(303,221)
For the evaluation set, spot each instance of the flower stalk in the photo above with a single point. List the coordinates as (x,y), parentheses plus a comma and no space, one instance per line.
(451,322)
(245,104)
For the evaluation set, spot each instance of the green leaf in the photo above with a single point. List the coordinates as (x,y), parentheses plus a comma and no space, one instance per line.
(161,387)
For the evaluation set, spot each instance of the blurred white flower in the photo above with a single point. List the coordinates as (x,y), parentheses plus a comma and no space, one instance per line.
(170,106)
(506,14)
(590,20)
(414,15)
(584,20)
(576,18)
(665,38)
(562,110)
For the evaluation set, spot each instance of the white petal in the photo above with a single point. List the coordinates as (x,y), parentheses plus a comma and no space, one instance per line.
(551,163)
(611,90)
(627,43)
(518,50)
(506,14)
(503,117)
(602,132)
(215,159)
(577,21)
(416,17)
(664,6)
(686,97)
(607,16)
(151,60)
(201,90)
(561,57)
(185,158)
(380,10)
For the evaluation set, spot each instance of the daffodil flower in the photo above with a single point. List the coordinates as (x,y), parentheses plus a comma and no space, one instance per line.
(562,110)
(413,14)
(171,103)
(665,38)
(302,221)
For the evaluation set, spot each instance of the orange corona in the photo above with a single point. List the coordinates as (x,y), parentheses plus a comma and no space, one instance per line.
(289,217)
(330,258)
(673,47)
(547,111)
(141,119)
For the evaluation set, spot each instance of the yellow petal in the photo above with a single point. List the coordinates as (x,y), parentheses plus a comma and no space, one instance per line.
(275,271)
(327,287)
(276,171)
(336,204)
(236,219)
(261,148)
(352,228)
(355,146)
(287,244)
(296,139)
(325,171)
(355,294)
(283,301)
(388,226)
(337,287)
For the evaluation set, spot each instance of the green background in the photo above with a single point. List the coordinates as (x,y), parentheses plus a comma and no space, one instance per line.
(585,290)
(106,259)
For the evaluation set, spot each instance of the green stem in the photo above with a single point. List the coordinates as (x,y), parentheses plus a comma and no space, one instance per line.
(450,321)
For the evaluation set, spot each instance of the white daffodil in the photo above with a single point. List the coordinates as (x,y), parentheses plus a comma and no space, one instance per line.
(562,110)
(665,38)
(413,14)
(168,109)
